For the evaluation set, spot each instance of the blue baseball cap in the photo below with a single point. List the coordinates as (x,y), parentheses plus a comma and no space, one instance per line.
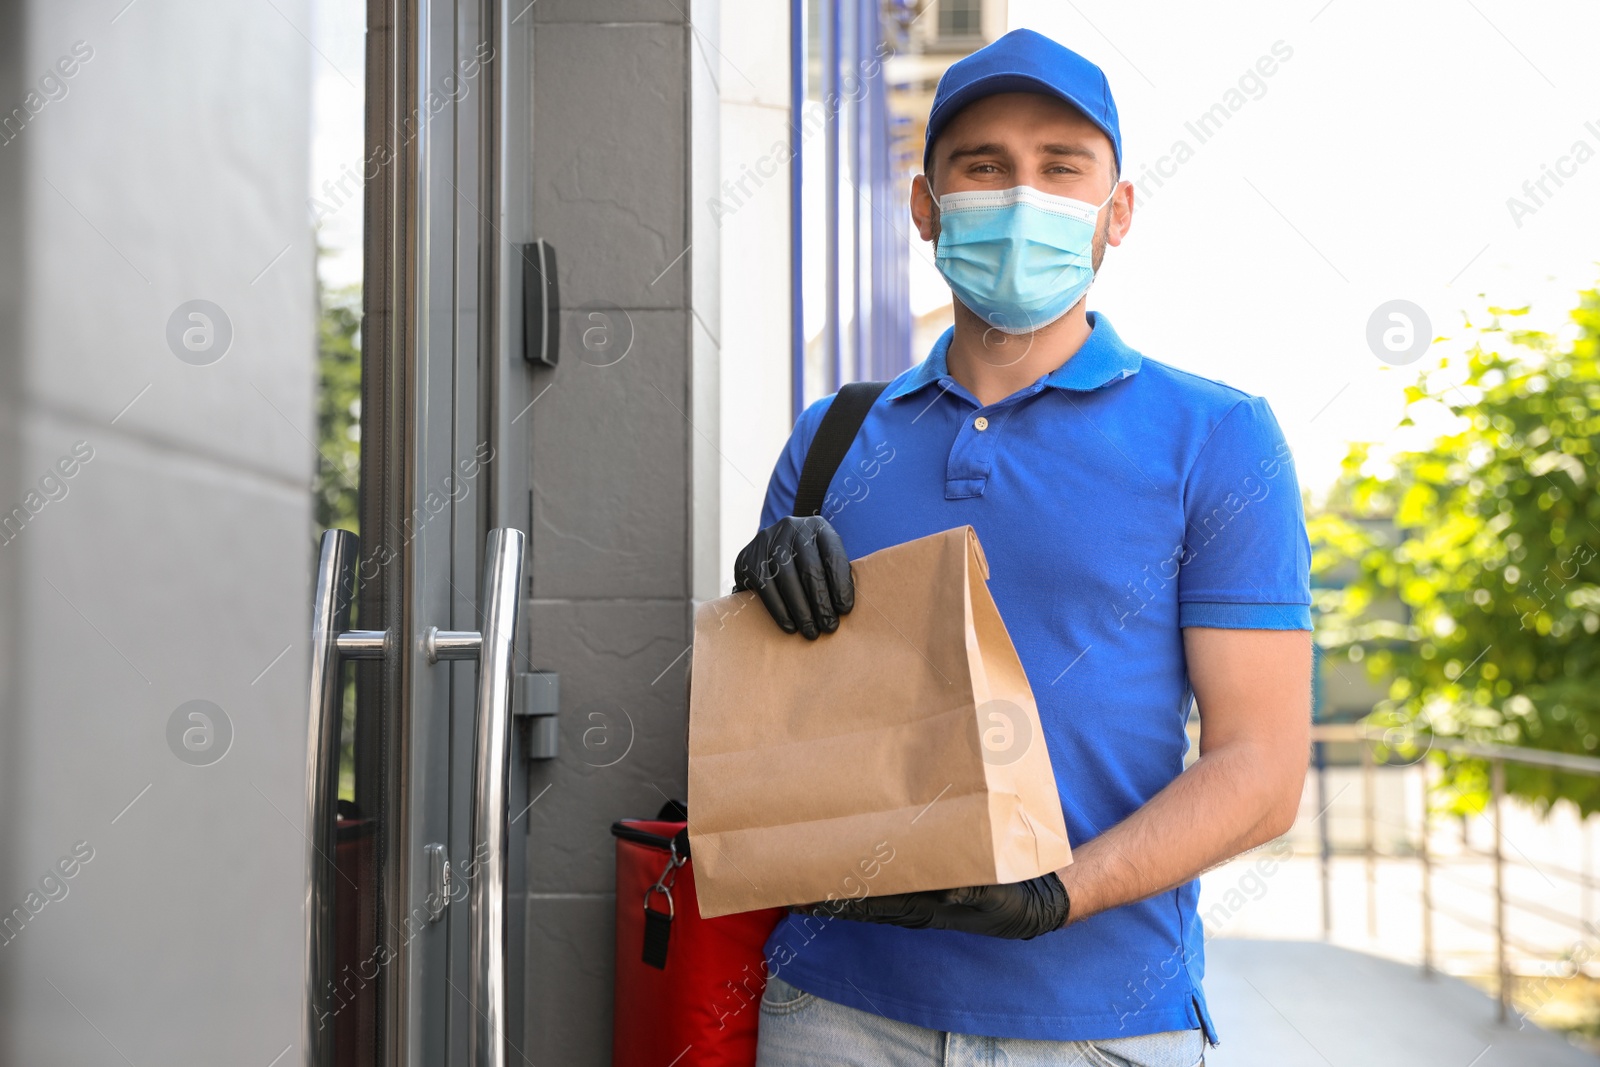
(1024,61)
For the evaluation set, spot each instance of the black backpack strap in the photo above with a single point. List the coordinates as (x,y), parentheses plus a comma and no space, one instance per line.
(840,423)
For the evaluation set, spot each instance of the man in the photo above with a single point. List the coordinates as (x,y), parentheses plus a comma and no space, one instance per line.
(1146,546)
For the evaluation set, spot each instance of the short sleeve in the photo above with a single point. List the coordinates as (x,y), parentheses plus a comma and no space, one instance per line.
(1246,562)
(784,485)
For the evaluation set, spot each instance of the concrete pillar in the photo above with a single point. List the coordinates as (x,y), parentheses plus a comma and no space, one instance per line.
(645,470)
(159,551)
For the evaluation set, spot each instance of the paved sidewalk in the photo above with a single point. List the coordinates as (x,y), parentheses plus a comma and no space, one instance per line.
(1294,1003)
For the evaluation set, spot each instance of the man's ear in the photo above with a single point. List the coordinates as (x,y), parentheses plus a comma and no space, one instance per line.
(924,211)
(1120,219)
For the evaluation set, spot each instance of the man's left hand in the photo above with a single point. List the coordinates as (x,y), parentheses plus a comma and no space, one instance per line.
(1020,910)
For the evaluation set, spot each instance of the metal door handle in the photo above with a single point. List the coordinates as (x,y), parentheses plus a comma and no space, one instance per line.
(331,642)
(494,647)
(502,589)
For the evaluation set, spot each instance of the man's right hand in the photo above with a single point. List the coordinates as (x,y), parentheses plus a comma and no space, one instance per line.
(799,568)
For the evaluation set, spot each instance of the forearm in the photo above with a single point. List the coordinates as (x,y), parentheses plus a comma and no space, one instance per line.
(1230,800)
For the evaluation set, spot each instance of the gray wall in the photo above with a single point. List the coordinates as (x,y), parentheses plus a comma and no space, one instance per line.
(648,474)
(176,566)
(623,145)
(626,463)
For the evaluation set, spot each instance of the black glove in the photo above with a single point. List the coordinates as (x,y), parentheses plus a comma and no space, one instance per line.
(799,567)
(1021,910)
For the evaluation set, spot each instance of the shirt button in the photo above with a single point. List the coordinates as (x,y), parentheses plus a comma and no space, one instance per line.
(980,423)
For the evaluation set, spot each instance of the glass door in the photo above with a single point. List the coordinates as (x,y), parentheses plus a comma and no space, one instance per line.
(409,956)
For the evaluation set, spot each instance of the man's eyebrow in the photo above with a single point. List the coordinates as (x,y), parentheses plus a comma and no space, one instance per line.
(989,148)
(1057,149)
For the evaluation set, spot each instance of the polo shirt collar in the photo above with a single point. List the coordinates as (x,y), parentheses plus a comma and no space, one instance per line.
(1102,359)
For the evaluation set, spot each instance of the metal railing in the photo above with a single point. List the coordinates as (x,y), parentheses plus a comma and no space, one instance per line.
(1497,756)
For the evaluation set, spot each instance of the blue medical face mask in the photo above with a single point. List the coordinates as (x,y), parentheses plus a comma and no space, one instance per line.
(1019,258)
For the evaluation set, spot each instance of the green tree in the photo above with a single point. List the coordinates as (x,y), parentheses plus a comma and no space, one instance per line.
(1479,597)
(339,465)
(338,409)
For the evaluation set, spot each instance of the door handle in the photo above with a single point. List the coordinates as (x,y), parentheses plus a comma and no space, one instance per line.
(494,647)
(331,643)
(502,594)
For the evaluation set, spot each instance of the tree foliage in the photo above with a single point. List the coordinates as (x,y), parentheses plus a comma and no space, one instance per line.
(1472,564)
(339,462)
(338,409)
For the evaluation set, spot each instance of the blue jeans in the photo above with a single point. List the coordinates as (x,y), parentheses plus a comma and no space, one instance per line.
(802,1030)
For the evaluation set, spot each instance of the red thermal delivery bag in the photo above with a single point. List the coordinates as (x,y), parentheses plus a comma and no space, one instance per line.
(688,990)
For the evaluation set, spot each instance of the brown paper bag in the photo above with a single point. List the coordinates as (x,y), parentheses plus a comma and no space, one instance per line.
(902,752)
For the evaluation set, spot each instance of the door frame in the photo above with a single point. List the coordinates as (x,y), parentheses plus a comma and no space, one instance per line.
(437,392)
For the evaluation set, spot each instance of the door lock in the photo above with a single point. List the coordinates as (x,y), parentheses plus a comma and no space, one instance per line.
(538,700)
(440,881)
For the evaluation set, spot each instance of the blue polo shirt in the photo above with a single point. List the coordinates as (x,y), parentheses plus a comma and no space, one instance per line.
(1118,500)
